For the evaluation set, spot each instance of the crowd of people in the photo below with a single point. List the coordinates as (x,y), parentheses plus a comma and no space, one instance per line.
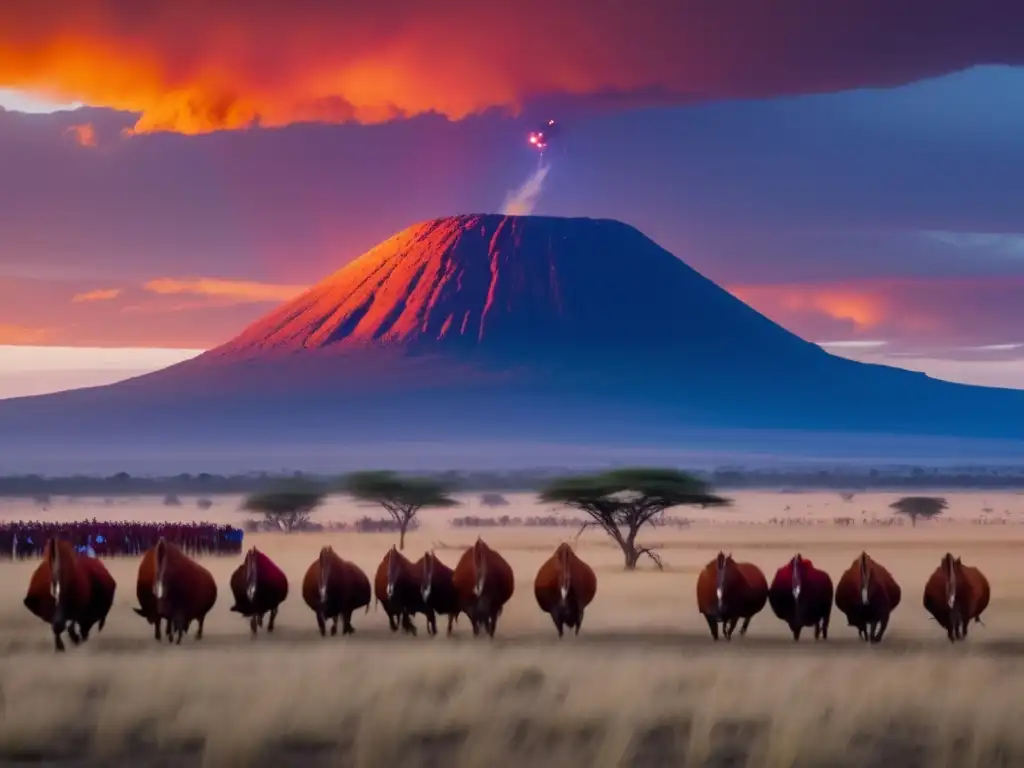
(26,539)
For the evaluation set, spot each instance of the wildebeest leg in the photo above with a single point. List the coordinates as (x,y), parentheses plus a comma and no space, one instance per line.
(83,630)
(270,623)
(880,632)
(963,628)
(579,621)
(491,623)
(557,618)
(346,627)
(392,619)
(824,624)
(58,643)
(796,632)
(199,626)
(712,625)
(253,624)
(73,634)
(407,626)
(732,628)
(156,630)
(259,618)
(431,621)
(475,625)
(334,626)
(451,622)
(321,623)
(951,631)
(745,626)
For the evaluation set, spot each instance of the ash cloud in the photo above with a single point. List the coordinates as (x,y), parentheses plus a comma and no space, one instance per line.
(196,67)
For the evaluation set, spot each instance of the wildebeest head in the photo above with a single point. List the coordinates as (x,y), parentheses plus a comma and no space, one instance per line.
(325,572)
(250,574)
(480,566)
(53,554)
(951,567)
(58,575)
(159,586)
(796,566)
(393,564)
(865,577)
(723,566)
(564,571)
(427,576)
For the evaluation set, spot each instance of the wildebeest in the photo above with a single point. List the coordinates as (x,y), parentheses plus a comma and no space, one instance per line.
(564,587)
(437,589)
(801,596)
(954,595)
(101,597)
(397,588)
(185,591)
(728,591)
(259,587)
(867,594)
(335,588)
(484,582)
(148,608)
(59,591)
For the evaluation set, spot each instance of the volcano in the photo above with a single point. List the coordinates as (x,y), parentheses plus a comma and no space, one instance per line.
(508,328)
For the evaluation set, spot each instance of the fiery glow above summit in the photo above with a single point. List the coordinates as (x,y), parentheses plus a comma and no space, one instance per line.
(194,67)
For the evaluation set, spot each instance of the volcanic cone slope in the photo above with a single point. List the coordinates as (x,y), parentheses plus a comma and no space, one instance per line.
(516,327)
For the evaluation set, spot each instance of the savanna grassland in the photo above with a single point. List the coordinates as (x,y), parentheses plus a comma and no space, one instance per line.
(643,684)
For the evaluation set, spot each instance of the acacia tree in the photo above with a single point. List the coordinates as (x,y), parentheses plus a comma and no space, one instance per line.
(621,502)
(287,506)
(402,497)
(927,507)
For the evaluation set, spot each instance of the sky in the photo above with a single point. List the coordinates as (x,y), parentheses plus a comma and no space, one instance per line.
(171,171)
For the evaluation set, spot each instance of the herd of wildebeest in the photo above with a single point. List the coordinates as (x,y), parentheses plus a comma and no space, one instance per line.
(73,592)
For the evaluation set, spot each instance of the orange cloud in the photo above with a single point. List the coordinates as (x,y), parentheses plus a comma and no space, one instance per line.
(862,309)
(84,135)
(945,311)
(225,291)
(100,294)
(193,66)
(17,335)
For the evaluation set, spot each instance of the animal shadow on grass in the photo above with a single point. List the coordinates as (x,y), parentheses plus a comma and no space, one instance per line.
(736,743)
(662,745)
(432,750)
(541,744)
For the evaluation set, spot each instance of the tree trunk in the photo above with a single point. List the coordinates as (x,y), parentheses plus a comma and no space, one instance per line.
(632,557)
(401,533)
(629,550)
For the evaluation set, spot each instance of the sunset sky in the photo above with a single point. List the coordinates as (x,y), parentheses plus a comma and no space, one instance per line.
(169,172)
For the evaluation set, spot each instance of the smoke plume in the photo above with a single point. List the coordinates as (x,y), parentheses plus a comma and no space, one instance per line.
(521,201)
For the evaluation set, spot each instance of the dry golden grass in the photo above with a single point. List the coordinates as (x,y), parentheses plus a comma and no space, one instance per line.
(643,685)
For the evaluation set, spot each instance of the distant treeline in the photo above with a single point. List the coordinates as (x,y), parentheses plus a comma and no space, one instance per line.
(850,480)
